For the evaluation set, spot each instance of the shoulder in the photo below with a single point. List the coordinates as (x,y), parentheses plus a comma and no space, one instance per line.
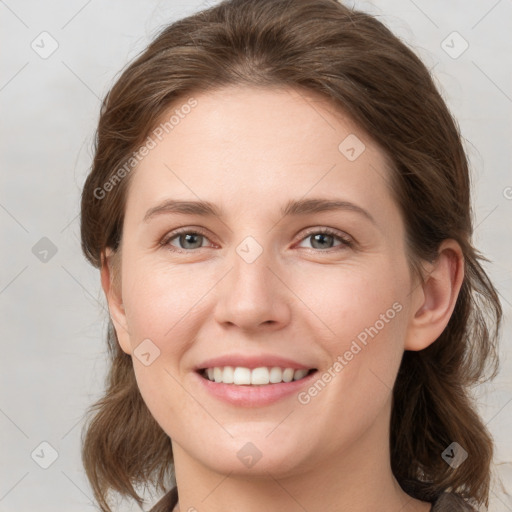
(446,502)
(451,502)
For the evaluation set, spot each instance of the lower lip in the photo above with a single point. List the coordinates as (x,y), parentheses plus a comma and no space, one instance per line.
(254,396)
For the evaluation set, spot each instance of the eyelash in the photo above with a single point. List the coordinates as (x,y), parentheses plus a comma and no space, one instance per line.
(346,242)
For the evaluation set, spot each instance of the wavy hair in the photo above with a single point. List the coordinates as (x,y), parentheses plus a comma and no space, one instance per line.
(352,59)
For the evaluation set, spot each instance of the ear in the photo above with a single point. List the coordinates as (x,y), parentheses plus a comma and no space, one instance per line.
(434,299)
(111,284)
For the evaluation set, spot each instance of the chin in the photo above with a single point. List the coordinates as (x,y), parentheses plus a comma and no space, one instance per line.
(255,455)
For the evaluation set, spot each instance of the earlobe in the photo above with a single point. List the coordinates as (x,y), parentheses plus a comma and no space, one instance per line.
(112,289)
(437,297)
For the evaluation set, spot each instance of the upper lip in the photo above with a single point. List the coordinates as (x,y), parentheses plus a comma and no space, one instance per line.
(252,362)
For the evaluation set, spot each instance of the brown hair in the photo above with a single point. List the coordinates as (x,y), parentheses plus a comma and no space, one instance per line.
(355,61)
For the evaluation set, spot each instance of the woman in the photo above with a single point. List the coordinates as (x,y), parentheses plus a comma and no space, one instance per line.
(280,208)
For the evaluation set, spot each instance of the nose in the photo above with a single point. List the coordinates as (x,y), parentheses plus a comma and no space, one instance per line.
(253,295)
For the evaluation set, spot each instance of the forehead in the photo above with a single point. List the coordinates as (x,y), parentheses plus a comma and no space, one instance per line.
(246,147)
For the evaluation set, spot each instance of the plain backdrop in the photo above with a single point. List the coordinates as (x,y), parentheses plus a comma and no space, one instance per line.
(59,58)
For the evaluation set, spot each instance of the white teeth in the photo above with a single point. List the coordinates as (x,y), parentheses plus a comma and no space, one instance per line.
(217,374)
(228,375)
(276,375)
(241,375)
(288,375)
(258,376)
(299,374)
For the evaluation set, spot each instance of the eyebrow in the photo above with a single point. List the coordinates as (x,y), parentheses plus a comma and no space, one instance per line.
(292,208)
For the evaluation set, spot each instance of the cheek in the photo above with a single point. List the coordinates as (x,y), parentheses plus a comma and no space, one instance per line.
(352,301)
(361,316)
(160,301)
(165,309)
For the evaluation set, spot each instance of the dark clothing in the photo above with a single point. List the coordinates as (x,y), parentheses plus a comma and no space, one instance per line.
(446,502)
(449,502)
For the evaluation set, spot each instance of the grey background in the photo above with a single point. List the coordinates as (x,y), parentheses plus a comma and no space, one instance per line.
(53,313)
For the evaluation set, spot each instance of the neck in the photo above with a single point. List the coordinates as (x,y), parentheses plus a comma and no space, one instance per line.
(357,479)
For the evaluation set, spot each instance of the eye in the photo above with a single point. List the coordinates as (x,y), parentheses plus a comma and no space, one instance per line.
(323,238)
(186,239)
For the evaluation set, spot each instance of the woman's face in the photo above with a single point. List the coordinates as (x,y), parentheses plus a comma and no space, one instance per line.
(257,284)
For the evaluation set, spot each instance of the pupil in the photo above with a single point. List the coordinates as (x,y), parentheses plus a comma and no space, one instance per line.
(320,237)
(189,238)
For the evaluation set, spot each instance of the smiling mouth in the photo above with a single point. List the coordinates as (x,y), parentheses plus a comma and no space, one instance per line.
(262,376)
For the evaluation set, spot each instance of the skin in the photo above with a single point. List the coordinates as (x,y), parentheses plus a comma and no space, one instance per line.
(249,151)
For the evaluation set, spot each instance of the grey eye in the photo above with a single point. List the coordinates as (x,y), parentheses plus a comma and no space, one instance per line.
(189,240)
